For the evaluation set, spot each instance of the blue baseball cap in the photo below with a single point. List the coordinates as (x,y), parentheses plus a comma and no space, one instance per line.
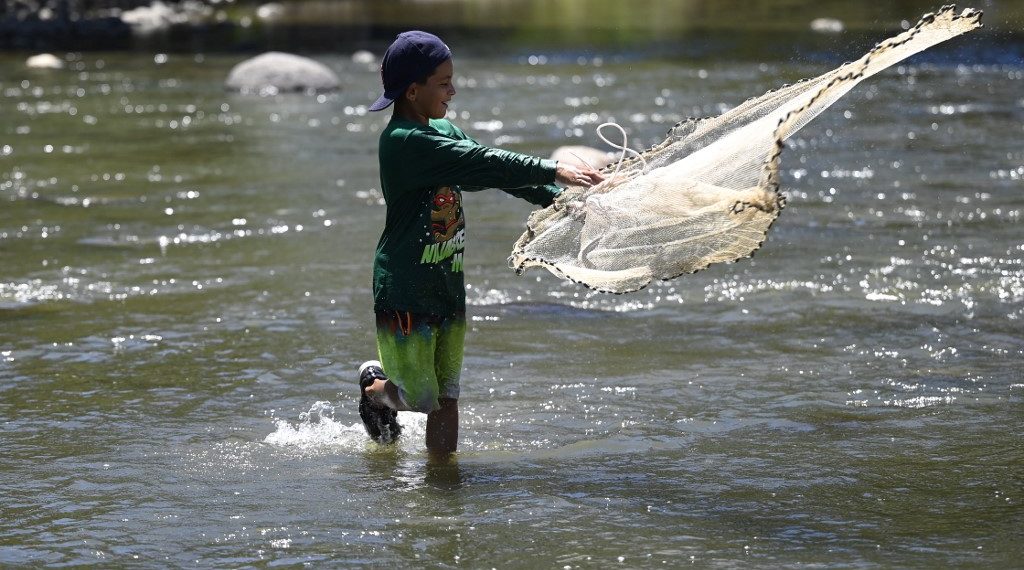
(411,57)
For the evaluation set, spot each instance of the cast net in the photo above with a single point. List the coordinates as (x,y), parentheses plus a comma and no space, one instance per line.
(710,192)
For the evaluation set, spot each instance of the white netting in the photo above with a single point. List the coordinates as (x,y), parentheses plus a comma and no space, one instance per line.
(709,192)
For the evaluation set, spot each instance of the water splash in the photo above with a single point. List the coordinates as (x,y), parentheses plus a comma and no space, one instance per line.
(318,431)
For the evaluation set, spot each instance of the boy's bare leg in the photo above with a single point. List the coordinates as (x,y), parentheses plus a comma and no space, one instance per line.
(443,428)
(442,424)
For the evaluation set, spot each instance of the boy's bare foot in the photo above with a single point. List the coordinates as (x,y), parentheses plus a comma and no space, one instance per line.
(380,421)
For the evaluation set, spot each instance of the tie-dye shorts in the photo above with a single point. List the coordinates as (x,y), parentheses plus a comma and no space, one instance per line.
(422,355)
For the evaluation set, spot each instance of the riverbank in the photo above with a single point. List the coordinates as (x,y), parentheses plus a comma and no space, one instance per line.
(767,30)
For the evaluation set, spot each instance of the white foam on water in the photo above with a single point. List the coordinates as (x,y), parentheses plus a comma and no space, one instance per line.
(318,431)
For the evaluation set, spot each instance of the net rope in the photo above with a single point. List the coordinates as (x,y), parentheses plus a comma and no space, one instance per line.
(707,194)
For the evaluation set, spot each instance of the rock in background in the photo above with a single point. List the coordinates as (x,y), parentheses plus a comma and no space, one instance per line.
(275,72)
(44,61)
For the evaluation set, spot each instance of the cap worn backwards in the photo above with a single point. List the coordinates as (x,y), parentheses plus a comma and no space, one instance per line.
(411,57)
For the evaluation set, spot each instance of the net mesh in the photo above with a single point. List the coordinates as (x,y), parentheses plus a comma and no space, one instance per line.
(709,193)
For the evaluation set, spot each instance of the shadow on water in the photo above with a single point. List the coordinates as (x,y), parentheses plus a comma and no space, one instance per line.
(404,470)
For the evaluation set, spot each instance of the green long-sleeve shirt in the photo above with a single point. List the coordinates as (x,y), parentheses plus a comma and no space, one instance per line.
(423,171)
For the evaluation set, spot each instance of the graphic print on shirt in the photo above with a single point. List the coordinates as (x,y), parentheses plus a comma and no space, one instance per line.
(446,214)
(446,227)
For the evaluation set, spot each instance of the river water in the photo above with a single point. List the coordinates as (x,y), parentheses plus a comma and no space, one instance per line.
(184,299)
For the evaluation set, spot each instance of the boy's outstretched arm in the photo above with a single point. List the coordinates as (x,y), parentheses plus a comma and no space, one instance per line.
(474,166)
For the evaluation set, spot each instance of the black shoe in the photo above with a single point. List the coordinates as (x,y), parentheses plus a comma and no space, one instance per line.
(381,422)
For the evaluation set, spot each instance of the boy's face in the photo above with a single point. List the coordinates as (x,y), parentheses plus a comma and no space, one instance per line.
(430,100)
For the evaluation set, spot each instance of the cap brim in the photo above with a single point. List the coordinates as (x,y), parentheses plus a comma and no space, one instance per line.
(382,102)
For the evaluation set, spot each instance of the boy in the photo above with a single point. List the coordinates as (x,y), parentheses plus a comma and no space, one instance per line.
(418,287)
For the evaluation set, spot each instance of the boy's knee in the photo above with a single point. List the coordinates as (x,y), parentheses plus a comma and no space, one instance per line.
(425,403)
(417,396)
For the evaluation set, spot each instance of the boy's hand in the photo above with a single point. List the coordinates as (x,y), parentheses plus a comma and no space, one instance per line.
(577,175)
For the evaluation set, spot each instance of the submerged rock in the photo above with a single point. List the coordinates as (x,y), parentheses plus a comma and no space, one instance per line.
(275,72)
(44,61)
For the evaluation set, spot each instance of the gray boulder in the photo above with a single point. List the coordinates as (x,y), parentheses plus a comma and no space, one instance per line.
(276,72)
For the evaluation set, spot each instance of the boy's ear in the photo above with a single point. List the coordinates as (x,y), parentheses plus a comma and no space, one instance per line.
(410,92)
